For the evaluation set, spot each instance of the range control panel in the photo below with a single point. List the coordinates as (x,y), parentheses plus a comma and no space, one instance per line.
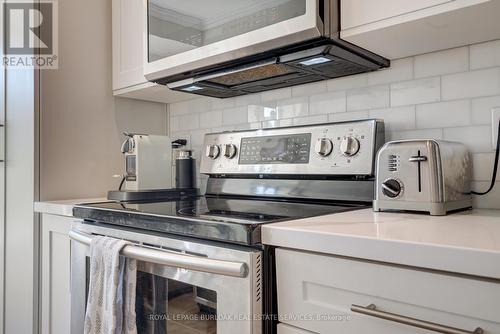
(287,149)
(346,148)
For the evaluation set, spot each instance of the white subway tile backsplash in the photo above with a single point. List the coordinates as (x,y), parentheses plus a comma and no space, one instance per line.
(218,104)
(489,201)
(415,134)
(317,119)
(245,100)
(350,82)
(285,122)
(416,91)
(348,116)
(471,84)
(237,115)
(400,70)
(296,107)
(276,123)
(197,138)
(327,103)
(309,89)
(260,113)
(210,119)
(277,94)
(185,122)
(442,95)
(443,114)
(198,105)
(481,109)
(271,124)
(443,62)
(476,138)
(396,119)
(368,98)
(179,108)
(482,166)
(485,55)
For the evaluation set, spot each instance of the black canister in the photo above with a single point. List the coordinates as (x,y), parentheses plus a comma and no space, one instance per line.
(185,170)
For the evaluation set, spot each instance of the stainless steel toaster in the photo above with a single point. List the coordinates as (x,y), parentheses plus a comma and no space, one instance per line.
(423,175)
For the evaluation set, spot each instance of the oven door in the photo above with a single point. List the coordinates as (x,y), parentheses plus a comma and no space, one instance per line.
(204,289)
(183,36)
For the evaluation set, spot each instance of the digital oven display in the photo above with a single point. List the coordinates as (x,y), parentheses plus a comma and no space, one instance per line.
(286,149)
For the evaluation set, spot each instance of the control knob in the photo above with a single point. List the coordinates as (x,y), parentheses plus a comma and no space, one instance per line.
(230,151)
(392,188)
(324,147)
(349,146)
(212,151)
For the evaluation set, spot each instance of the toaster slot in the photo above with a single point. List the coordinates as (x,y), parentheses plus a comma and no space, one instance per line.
(419,159)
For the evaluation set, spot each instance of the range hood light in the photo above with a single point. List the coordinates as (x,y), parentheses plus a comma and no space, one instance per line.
(315,61)
(192,88)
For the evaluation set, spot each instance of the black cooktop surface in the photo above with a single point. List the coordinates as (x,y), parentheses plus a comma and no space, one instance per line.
(216,218)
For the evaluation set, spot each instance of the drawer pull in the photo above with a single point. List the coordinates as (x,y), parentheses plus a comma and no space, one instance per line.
(371,310)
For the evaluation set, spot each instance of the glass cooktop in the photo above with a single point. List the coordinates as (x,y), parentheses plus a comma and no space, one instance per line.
(225,219)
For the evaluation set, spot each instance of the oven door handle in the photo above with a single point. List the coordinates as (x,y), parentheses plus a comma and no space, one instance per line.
(158,256)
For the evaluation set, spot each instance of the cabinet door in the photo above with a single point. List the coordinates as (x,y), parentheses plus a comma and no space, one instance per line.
(55,280)
(359,12)
(326,294)
(128,53)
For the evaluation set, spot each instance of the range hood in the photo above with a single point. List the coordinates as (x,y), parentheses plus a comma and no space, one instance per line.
(254,61)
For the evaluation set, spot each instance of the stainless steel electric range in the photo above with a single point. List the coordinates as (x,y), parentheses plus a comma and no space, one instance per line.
(202,266)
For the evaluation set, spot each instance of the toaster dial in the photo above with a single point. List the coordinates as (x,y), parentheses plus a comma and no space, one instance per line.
(392,188)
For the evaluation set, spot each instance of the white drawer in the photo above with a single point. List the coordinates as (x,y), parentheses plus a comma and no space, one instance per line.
(317,292)
(285,329)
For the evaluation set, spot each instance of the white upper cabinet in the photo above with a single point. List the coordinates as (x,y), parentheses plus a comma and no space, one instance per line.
(359,12)
(129,26)
(127,44)
(401,28)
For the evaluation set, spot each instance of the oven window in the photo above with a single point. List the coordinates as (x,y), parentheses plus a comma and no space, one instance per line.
(179,26)
(166,306)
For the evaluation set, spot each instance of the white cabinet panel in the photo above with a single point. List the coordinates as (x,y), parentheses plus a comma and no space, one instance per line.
(55,279)
(128,56)
(397,29)
(358,12)
(316,292)
(127,43)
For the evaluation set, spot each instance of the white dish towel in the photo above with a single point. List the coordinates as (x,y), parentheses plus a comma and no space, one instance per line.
(111,299)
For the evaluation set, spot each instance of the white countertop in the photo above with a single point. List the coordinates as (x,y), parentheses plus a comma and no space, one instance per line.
(63,207)
(466,242)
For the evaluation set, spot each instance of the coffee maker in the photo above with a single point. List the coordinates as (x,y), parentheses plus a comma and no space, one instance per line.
(148,162)
(148,170)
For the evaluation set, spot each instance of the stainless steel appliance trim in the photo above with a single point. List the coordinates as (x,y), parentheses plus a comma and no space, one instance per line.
(246,302)
(371,310)
(162,257)
(295,30)
(338,190)
(369,132)
(222,73)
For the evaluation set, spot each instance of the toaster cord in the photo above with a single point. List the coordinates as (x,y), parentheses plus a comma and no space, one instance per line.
(495,167)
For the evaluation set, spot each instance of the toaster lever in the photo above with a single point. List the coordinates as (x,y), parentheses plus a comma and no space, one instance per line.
(419,158)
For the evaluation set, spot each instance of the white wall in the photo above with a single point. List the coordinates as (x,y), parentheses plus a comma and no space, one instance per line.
(442,95)
(81,122)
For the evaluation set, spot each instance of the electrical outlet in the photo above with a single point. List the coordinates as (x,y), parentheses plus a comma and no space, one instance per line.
(495,119)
